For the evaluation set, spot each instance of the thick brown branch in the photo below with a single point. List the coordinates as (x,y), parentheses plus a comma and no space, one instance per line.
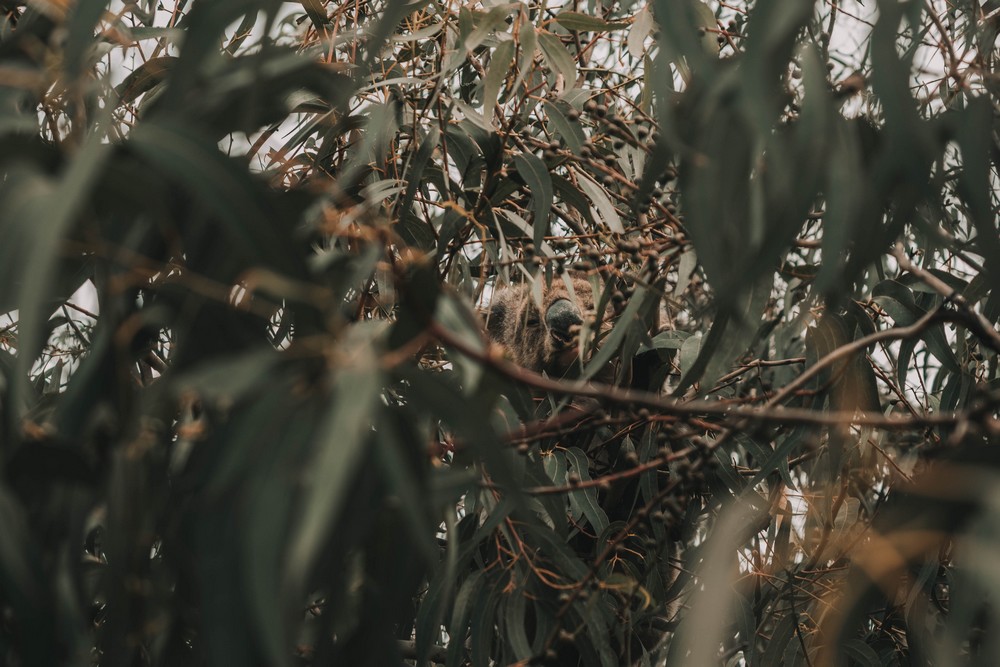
(771,412)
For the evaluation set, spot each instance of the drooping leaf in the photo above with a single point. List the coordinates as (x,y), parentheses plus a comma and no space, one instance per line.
(602,203)
(82,22)
(499,66)
(558,57)
(570,131)
(535,174)
(340,441)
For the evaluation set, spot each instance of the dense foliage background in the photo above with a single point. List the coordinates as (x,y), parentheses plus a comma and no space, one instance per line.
(248,416)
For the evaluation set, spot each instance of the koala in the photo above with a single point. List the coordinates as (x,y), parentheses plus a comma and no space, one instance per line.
(545,340)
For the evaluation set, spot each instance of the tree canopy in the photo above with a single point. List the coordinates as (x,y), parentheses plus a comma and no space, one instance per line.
(249,414)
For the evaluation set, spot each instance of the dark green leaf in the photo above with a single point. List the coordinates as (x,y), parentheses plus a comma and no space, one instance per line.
(535,174)
(189,157)
(499,66)
(341,439)
(860,652)
(570,131)
(82,22)
(779,638)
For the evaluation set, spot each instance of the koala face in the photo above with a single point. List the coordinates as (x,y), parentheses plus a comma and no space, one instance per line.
(542,339)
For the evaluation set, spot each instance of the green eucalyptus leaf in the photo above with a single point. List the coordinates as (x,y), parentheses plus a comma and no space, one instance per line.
(340,443)
(572,20)
(499,66)
(559,59)
(535,174)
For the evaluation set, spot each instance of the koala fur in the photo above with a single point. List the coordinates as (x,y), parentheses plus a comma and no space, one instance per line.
(543,343)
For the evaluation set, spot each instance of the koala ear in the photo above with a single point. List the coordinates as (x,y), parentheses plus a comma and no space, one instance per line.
(496,314)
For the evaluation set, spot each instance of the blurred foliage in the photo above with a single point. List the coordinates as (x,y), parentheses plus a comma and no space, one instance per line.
(248,415)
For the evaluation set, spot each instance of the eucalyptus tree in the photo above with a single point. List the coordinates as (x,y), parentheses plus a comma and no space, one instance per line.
(250,413)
